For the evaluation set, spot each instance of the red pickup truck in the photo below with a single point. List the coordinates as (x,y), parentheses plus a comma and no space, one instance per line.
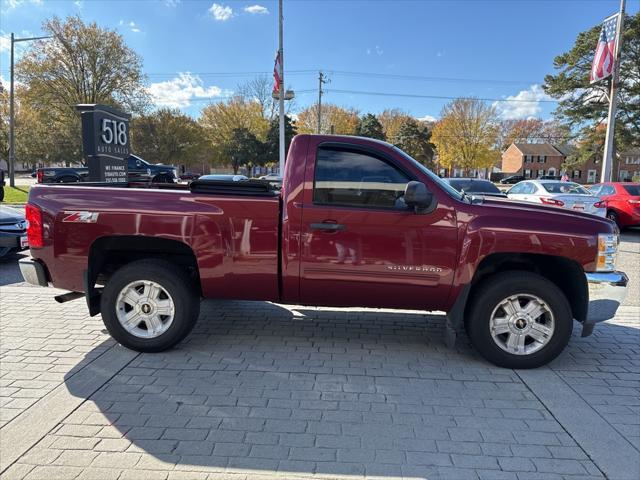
(357,222)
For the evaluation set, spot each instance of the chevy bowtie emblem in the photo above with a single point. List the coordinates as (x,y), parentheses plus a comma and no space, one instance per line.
(80,217)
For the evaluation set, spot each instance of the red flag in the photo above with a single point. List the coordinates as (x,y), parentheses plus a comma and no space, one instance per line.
(604,59)
(276,74)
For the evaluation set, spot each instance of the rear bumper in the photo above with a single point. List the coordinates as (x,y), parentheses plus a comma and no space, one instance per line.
(607,291)
(33,272)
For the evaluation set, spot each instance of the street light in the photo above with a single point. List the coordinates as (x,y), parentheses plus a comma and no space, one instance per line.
(12,149)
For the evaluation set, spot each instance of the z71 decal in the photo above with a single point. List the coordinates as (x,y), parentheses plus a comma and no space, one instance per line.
(80,217)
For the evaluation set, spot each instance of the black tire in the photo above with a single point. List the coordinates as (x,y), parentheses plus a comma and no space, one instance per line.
(177,284)
(613,216)
(497,288)
(161,179)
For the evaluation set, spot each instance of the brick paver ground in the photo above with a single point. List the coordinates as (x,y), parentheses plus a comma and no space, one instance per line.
(265,390)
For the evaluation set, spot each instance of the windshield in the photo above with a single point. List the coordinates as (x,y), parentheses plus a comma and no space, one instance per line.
(441,183)
(565,187)
(474,186)
(632,189)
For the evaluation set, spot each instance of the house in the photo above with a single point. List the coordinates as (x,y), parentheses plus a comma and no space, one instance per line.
(628,165)
(532,160)
(589,172)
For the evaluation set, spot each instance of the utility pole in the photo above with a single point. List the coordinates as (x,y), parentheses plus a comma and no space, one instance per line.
(12,118)
(607,161)
(281,91)
(321,79)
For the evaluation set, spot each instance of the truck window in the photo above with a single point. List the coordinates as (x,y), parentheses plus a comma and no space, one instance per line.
(350,178)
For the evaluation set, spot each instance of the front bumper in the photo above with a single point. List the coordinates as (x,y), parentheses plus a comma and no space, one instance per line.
(607,291)
(33,272)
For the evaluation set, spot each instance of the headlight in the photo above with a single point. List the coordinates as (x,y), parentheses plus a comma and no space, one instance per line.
(607,250)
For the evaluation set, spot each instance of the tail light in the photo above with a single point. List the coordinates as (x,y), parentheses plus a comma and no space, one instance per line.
(35,231)
(39,175)
(600,204)
(552,201)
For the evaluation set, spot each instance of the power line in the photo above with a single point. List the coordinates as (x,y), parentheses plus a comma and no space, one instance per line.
(438,97)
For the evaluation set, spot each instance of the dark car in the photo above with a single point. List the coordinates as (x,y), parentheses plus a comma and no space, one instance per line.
(13,231)
(189,176)
(139,171)
(512,180)
(475,186)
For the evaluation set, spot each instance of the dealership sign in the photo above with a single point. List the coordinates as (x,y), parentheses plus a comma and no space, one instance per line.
(105,142)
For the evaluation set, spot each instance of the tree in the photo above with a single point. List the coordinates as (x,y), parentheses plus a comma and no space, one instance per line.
(82,63)
(335,119)
(259,89)
(413,138)
(582,105)
(168,136)
(370,126)
(466,135)
(532,130)
(242,148)
(220,120)
(271,147)
(392,120)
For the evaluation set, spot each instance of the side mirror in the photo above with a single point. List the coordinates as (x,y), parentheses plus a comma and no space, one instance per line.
(418,197)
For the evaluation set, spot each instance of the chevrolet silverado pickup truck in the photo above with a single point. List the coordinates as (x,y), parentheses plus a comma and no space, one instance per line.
(356,222)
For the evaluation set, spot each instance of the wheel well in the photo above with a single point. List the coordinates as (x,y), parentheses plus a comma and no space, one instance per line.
(567,274)
(108,254)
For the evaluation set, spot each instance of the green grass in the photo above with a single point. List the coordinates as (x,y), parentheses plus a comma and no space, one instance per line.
(16,194)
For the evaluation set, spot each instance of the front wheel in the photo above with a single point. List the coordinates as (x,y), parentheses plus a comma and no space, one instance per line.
(613,216)
(149,305)
(519,319)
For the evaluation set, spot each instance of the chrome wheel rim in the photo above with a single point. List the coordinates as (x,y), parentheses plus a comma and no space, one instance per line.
(522,324)
(145,309)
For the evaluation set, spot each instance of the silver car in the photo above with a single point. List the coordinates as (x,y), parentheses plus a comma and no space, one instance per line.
(569,195)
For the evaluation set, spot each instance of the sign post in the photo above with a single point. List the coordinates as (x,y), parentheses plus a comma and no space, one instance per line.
(105,142)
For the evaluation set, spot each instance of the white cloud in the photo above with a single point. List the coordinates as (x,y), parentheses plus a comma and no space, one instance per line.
(427,118)
(525,104)
(377,50)
(79,4)
(11,4)
(221,12)
(5,42)
(171,3)
(179,91)
(135,28)
(256,10)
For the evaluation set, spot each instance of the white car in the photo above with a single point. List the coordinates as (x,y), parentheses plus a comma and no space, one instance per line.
(569,195)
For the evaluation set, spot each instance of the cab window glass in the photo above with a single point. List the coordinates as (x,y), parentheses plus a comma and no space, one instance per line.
(351,178)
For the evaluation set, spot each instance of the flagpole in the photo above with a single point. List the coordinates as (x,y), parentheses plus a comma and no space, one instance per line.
(281,91)
(607,161)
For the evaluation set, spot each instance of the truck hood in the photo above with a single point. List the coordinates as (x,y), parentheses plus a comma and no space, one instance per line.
(522,209)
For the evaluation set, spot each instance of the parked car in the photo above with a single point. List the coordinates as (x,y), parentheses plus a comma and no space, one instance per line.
(360,223)
(189,176)
(511,180)
(475,186)
(549,177)
(568,195)
(622,201)
(228,178)
(273,179)
(139,171)
(13,231)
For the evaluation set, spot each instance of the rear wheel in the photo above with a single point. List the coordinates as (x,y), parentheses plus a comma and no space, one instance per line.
(150,305)
(613,216)
(519,320)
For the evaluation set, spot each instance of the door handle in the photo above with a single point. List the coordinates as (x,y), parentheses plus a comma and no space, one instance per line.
(329,227)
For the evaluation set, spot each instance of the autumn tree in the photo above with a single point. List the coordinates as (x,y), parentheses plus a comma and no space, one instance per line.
(391,121)
(335,119)
(82,63)
(370,126)
(466,135)
(413,137)
(531,130)
(168,136)
(220,120)
(583,106)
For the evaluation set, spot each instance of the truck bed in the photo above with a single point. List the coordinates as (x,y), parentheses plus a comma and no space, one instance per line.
(231,230)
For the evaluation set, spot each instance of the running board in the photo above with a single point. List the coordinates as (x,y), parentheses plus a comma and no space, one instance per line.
(67,297)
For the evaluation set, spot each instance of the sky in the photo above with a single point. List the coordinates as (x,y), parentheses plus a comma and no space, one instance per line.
(376,54)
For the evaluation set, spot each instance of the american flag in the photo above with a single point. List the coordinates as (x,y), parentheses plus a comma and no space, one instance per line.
(605,50)
(276,75)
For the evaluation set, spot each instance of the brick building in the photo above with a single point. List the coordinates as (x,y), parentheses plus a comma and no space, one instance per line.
(532,160)
(628,166)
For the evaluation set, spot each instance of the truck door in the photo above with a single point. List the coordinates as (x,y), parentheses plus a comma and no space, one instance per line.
(361,245)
